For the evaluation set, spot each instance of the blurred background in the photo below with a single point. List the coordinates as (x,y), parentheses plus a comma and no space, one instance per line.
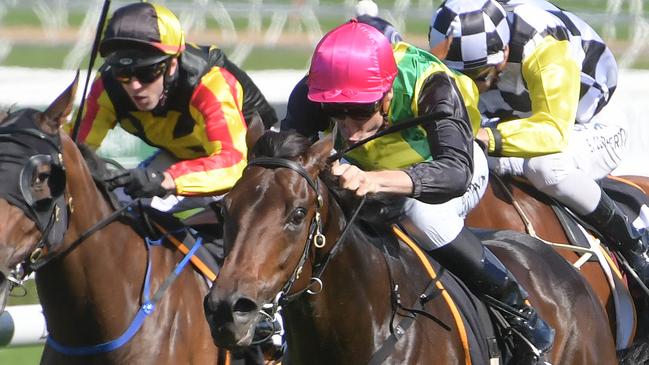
(43,42)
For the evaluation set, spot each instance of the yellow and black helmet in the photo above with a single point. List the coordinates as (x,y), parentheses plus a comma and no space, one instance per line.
(141,34)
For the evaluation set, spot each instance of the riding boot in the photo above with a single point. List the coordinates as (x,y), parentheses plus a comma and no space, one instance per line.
(621,235)
(468,258)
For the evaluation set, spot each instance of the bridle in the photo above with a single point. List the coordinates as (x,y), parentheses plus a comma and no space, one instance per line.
(314,237)
(50,212)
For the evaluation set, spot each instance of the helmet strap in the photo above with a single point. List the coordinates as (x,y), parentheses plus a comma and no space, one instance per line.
(167,81)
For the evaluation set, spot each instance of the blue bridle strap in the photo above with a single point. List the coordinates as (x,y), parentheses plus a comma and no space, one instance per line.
(146,309)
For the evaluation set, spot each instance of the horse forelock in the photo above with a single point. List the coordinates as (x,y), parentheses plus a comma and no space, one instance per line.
(283,144)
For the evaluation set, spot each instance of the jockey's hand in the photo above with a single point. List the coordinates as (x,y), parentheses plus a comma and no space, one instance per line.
(352,178)
(145,183)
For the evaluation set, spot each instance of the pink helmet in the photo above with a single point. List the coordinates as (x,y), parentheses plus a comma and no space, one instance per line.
(353,63)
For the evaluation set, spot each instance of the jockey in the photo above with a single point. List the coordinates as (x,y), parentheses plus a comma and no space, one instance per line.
(188,100)
(362,84)
(542,87)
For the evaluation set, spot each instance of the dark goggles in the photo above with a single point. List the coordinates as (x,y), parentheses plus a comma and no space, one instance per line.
(144,74)
(352,110)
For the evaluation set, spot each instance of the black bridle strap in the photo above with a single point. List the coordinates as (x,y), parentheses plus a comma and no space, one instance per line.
(7,133)
(409,123)
(321,267)
(96,227)
(289,164)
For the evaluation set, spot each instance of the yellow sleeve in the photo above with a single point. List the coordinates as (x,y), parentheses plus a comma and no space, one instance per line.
(215,105)
(553,81)
(98,116)
(470,94)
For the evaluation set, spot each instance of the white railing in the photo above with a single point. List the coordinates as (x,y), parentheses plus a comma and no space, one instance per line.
(22,325)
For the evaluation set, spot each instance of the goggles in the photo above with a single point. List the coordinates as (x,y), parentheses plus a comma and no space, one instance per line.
(144,74)
(353,110)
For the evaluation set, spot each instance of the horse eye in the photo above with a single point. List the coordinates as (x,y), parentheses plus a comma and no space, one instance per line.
(298,216)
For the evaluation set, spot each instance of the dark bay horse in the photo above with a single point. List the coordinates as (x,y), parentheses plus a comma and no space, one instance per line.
(514,204)
(281,234)
(90,294)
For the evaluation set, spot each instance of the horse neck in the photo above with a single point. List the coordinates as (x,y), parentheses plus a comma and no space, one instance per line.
(353,305)
(91,282)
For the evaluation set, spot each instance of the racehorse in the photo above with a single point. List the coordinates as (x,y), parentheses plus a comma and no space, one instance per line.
(513,204)
(282,236)
(90,280)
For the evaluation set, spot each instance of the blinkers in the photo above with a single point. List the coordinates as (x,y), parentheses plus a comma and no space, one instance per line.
(32,176)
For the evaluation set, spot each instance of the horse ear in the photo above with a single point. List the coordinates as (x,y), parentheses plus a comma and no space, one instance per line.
(255,131)
(61,108)
(318,153)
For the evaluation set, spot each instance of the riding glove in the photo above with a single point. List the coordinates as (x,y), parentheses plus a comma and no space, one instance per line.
(145,183)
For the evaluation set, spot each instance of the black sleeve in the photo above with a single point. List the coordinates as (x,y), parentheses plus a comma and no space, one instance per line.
(303,115)
(253,99)
(449,173)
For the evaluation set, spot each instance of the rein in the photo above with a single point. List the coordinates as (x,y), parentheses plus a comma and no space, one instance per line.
(147,308)
(319,239)
(408,123)
(51,217)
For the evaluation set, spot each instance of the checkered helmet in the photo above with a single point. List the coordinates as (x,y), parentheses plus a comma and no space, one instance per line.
(479,29)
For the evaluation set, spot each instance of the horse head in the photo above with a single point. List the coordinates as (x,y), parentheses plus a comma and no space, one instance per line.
(33,202)
(276,218)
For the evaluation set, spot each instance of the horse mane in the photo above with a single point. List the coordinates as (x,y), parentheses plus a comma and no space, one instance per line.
(100,172)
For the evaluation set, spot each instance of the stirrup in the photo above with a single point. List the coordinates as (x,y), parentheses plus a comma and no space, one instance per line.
(516,318)
(528,325)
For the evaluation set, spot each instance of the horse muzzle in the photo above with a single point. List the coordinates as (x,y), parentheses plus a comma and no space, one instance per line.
(231,319)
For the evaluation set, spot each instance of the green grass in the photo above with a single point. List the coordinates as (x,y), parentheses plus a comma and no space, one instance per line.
(261,58)
(37,56)
(28,355)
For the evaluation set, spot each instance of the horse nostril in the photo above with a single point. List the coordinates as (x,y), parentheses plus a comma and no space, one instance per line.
(244,305)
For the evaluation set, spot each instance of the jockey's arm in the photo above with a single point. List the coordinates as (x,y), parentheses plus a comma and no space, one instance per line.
(215,107)
(450,140)
(98,116)
(553,80)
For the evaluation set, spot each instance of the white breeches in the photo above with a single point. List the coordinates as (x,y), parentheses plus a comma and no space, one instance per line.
(435,225)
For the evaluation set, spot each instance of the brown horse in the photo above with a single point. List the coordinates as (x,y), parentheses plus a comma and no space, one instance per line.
(514,204)
(282,234)
(90,292)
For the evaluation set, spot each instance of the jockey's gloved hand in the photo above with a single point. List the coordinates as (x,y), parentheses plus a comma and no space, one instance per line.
(145,183)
